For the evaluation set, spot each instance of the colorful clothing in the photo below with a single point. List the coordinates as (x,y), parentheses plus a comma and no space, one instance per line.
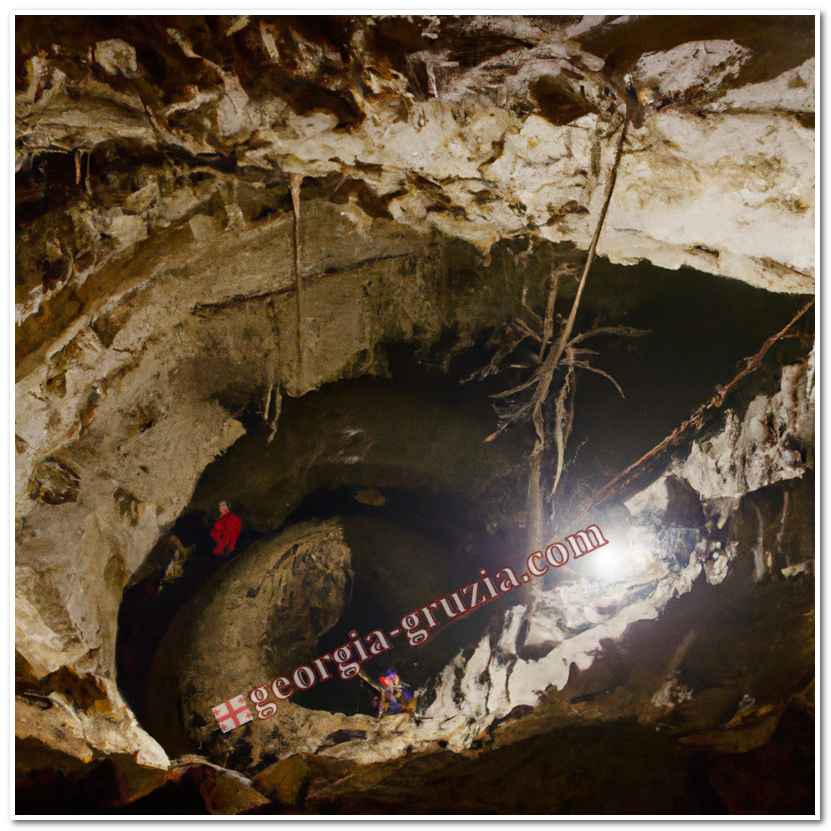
(225,533)
(395,697)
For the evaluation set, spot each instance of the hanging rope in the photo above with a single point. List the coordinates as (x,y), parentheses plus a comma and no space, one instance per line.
(696,420)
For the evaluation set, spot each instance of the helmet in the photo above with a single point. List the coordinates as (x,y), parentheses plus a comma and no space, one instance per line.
(388,678)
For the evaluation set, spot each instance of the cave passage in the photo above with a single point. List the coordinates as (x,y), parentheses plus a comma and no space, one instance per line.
(425,504)
(496,335)
(411,528)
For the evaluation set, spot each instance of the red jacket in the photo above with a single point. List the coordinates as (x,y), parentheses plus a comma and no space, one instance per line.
(225,533)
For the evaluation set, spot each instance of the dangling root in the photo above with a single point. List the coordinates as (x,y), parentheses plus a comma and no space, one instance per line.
(563,421)
(545,375)
(295,183)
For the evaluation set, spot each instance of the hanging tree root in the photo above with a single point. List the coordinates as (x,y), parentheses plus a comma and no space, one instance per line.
(534,497)
(295,182)
(273,399)
(695,421)
(563,422)
(551,354)
(545,375)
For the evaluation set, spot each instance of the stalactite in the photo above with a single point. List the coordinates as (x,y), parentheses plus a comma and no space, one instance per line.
(274,419)
(267,402)
(759,559)
(273,391)
(87,185)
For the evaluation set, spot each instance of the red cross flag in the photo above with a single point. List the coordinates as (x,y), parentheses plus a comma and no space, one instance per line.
(231,714)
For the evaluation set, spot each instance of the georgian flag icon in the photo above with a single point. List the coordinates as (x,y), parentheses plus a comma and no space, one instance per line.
(231,714)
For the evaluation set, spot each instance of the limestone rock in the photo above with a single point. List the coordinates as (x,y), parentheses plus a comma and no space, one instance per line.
(103,727)
(289,780)
(54,483)
(116,56)
(269,590)
(770,443)
(285,780)
(226,792)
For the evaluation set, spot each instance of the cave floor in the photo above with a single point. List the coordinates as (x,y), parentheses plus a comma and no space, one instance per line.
(609,768)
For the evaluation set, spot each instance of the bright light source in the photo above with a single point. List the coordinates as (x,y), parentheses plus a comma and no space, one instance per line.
(620,559)
(608,564)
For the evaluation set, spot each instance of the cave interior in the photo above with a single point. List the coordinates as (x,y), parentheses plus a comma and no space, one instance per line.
(274,262)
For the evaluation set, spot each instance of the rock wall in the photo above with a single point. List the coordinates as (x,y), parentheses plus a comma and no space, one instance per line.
(256,619)
(118,418)
(691,528)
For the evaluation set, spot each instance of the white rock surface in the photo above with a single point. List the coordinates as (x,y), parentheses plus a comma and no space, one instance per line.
(574,617)
(700,64)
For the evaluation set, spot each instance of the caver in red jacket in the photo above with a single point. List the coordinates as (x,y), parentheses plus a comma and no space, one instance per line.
(225,533)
